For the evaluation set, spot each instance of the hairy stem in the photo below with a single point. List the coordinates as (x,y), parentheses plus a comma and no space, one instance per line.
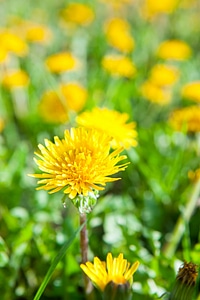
(84,255)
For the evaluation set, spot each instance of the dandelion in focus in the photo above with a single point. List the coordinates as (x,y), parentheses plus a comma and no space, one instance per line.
(116,270)
(119,66)
(80,163)
(61,62)
(174,50)
(187,118)
(114,124)
(192,91)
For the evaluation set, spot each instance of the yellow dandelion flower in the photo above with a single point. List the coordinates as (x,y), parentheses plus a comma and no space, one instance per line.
(114,124)
(78,13)
(194,175)
(192,91)
(14,79)
(155,94)
(51,108)
(118,35)
(13,43)
(164,75)
(61,62)
(152,8)
(3,55)
(75,95)
(119,65)
(187,118)
(117,270)
(36,33)
(80,163)
(174,49)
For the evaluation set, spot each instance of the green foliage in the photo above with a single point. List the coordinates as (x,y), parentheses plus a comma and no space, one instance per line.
(137,215)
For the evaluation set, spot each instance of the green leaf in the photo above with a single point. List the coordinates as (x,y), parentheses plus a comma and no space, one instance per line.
(56,260)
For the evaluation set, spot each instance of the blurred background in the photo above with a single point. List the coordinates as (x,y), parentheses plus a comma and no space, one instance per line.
(59,59)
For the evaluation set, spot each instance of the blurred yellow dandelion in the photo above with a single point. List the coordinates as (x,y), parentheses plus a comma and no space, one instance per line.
(192,91)
(13,43)
(75,95)
(37,33)
(164,75)
(51,108)
(14,79)
(61,62)
(80,163)
(174,50)
(118,35)
(111,122)
(119,65)
(155,94)
(117,270)
(78,13)
(187,118)
(152,8)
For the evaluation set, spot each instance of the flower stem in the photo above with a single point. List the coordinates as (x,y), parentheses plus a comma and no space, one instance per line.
(170,247)
(84,255)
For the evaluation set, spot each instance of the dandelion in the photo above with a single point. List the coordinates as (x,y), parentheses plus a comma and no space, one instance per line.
(114,124)
(118,35)
(52,109)
(119,66)
(117,270)
(78,13)
(75,95)
(3,55)
(79,163)
(36,33)
(152,8)
(164,75)
(187,118)
(13,43)
(185,282)
(192,91)
(174,49)
(14,79)
(155,94)
(61,62)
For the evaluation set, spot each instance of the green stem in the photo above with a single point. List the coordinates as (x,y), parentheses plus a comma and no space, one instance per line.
(84,255)
(179,229)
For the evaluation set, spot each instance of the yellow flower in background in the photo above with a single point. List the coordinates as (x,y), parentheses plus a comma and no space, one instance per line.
(192,91)
(152,8)
(52,109)
(111,122)
(61,62)
(2,124)
(13,43)
(117,270)
(14,79)
(155,94)
(118,35)
(194,175)
(37,33)
(187,119)
(75,95)
(174,49)
(78,13)
(3,55)
(119,66)
(164,75)
(80,163)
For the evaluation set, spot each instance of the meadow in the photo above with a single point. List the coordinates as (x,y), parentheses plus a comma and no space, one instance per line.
(99,148)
